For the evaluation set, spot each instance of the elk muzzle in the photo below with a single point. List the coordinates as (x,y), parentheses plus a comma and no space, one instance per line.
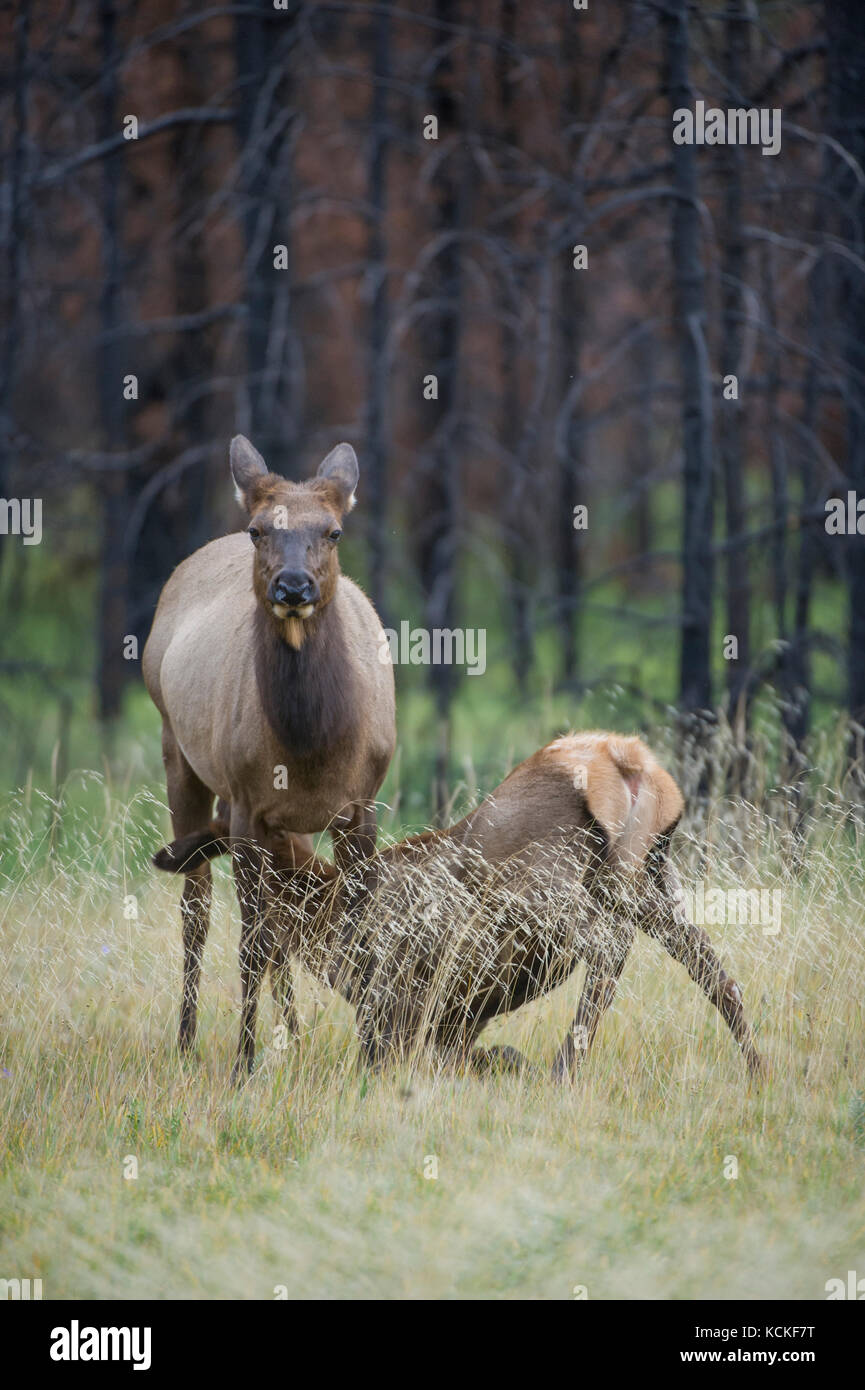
(293,593)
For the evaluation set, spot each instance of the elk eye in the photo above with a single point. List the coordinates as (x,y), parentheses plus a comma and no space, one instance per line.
(254,533)
(335,535)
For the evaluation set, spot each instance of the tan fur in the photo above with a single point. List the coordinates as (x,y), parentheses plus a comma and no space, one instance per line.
(627,791)
(199,667)
(295,632)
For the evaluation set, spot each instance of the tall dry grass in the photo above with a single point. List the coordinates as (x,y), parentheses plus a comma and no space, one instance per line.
(322,1180)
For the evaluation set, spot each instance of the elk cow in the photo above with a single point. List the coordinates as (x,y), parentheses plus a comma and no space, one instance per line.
(266,665)
(564,861)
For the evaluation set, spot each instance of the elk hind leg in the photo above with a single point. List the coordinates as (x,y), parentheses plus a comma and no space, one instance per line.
(667,921)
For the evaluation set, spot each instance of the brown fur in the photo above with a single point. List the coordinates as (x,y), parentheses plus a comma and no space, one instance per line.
(245,689)
(551,868)
(315,508)
(307,688)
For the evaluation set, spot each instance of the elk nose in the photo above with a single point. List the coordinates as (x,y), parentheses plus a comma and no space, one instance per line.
(293,589)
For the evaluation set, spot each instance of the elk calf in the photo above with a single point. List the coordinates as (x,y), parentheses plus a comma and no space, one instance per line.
(563,862)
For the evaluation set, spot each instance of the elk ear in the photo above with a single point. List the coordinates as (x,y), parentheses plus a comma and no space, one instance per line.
(247,468)
(340,467)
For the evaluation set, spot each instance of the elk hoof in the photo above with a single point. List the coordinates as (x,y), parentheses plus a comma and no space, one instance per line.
(499,1059)
(240,1073)
(564,1068)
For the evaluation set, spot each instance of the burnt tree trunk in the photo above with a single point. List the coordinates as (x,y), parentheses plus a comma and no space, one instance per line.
(570,485)
(263,44)
(516,493)
(178,519)
(113,569)
(809,477)
(13,259)
(695,680)
(845,76)
(377,273)
(780,489)
(775,445)
(640,454)
(731,440)
(439,494)
(780,509)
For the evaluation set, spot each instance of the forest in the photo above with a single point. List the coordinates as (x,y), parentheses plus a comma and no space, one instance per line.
(605,387)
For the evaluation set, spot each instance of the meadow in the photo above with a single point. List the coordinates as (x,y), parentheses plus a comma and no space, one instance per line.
(127,1172)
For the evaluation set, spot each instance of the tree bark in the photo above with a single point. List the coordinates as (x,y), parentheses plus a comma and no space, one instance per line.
(378,375)
(439,494)
(570,489)
(808,478)
(13,251)
(178,519)
(845,76)
(737,578)
(515,495)
(113,570)
(263,44)
(695,682)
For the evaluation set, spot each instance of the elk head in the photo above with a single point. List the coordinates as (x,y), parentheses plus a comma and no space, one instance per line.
(295,529)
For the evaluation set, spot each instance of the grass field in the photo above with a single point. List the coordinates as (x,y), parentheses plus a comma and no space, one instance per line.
(318,1179)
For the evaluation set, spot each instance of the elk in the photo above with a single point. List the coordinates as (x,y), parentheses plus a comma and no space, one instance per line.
(276,695)
(563,862)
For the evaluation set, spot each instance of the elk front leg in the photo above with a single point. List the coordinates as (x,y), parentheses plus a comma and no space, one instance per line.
(354,837)
(195,917)
(388,1023)
(353,848)
(665,919)
(289,908)
(377,1037)
(605,960)
(282,985)
(256,945)
(190,803)
(599,987)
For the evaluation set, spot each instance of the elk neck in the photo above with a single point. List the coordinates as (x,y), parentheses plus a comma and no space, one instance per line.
(307,691)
